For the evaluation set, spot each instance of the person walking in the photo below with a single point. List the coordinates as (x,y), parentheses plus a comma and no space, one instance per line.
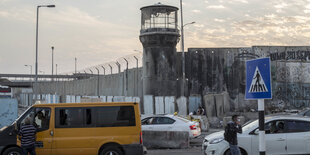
(28,137)
(233,127)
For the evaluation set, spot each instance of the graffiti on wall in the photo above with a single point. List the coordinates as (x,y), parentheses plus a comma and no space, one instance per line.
(291,55)
(224,71)
(291,79)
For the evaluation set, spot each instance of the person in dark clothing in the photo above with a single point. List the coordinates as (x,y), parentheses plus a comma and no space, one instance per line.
(28,137)
(230,134)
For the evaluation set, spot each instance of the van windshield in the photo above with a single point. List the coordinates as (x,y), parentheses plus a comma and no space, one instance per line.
(22,115)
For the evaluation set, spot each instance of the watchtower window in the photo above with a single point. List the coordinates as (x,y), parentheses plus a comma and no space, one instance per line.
(159,18)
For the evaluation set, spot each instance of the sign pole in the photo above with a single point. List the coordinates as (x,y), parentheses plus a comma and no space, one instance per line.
(258,87)
(261,117)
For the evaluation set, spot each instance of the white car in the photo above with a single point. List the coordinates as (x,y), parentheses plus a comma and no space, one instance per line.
(284,135)
(170,123)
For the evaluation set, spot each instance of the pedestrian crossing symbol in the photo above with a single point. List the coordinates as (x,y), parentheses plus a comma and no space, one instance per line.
(258,81)
(258,84)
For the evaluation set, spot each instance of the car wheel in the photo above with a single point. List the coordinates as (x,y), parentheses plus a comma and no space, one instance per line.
(13,151)
(111,151)
(227,152)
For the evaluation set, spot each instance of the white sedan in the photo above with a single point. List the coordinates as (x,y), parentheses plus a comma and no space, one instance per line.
(170,123)
(284,135)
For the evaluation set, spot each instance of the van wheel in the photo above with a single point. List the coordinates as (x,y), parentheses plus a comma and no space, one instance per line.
(13,151)
(111,151)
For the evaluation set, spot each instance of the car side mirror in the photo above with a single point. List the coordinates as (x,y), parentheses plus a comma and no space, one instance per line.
(256,132)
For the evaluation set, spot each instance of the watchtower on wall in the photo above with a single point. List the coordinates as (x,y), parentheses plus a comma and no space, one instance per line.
(159,35)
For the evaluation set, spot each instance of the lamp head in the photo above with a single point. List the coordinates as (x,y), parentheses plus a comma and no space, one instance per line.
(51,6)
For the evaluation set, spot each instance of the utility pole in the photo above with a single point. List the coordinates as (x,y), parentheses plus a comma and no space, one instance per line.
(52,62)
(75,64)
(37,42)
(183,54)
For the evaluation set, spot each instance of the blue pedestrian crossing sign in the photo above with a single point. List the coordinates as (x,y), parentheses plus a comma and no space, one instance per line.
(258,79)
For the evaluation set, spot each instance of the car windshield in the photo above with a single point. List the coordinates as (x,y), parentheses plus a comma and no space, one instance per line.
(250,125)
(303,112)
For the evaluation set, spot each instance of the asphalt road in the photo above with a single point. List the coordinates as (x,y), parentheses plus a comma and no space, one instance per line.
(190,151)
(195,147)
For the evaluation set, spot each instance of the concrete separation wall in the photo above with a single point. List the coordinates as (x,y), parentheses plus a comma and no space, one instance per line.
(8,111)
(166,139)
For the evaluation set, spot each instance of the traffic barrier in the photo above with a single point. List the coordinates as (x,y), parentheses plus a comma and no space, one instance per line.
(166,139)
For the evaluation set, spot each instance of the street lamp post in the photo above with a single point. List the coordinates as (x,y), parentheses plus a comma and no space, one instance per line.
(36,64)
(126,76)
(137,74)
(75,64)
(52,62)
(97,82)
(182,48)
(183,54)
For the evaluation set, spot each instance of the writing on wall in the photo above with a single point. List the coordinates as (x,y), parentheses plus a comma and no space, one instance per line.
(291,55)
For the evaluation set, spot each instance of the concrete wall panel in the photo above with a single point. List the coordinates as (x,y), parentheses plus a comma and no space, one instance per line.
(128,99)
(136,99)
(169,104)
(219,103)
(78,99)
(110,99)
(148,104)
(159,105)
(8,111)
(119,99)
(103,98)
(210,106)
(193,103)
(182,106)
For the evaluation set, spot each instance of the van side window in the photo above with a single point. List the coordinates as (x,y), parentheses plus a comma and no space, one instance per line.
(298,126)
(115,116)
(69,117)
(88,117)
(42,118)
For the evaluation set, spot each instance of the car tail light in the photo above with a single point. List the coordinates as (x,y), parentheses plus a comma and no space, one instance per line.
(192,127)
(141,141)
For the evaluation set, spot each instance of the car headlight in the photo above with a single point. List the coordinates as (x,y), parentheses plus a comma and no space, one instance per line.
(217,140)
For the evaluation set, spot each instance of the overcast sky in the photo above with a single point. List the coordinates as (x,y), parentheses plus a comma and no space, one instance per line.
(100,31)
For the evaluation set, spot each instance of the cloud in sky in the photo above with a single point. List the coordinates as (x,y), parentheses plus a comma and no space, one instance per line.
(238,1)
(196,11)
(102,31)
(219,20)
(216,7)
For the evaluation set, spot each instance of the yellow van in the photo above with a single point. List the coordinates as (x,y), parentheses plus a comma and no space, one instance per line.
(79,129)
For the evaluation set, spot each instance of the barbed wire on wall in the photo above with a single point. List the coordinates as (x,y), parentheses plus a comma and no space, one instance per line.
(119,65)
